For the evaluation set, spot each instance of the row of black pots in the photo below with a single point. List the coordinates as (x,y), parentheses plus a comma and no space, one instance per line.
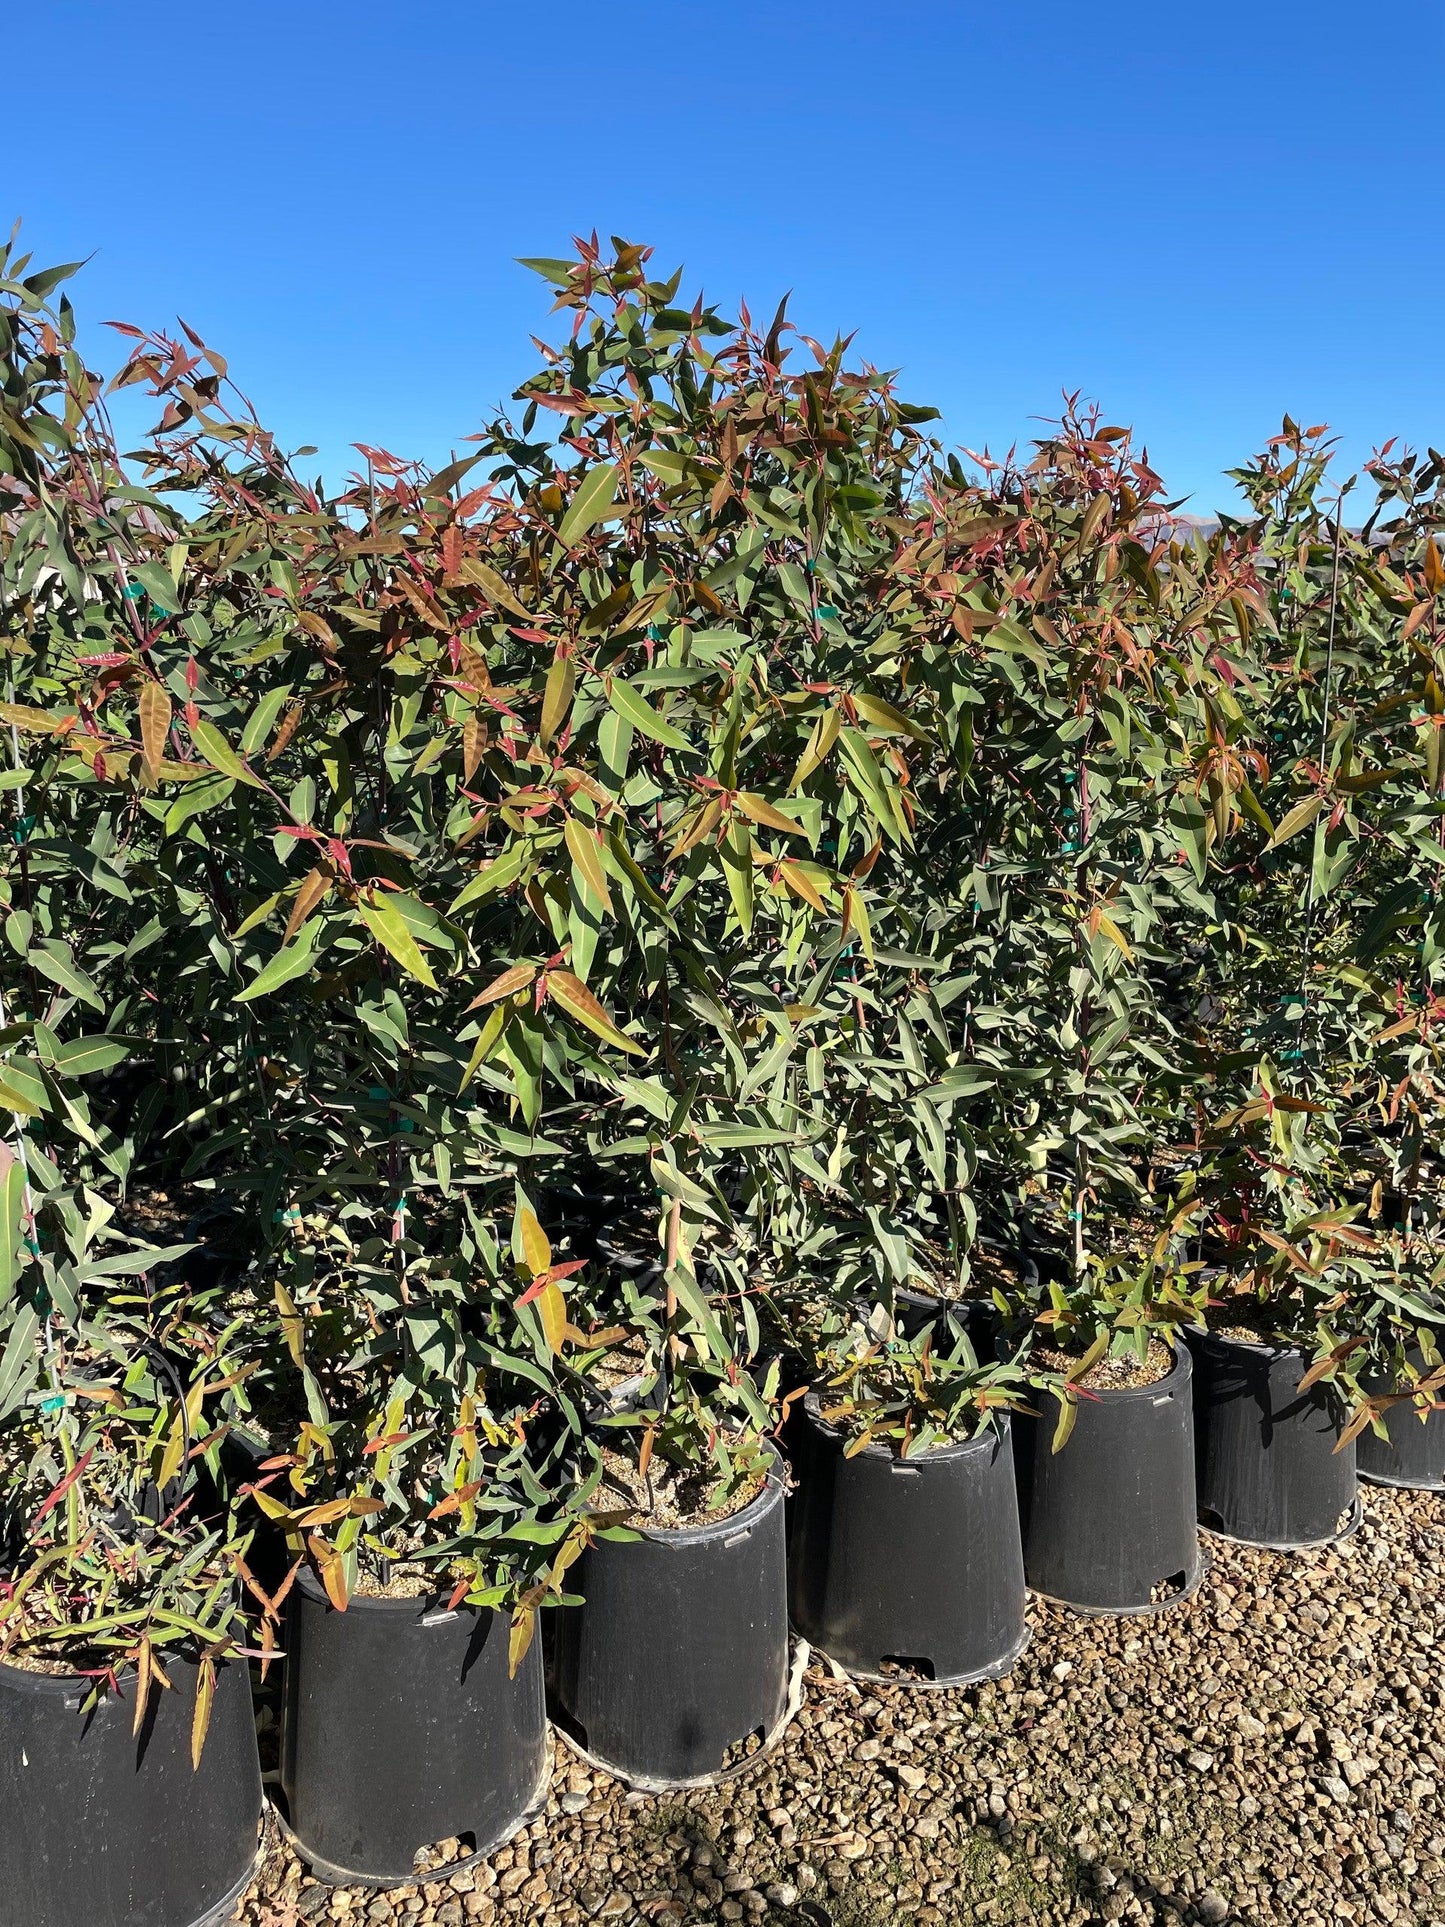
(918,1568)
(402,1727)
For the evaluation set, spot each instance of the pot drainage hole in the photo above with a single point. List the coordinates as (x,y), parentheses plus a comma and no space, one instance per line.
(902,1667)
(441,1854)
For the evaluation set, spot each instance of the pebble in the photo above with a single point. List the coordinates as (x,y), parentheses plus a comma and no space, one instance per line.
(1268,1753)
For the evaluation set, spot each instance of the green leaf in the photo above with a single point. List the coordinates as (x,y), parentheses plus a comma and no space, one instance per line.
(382,916)
(158,585)
(496,875)
(635,709)
(576,998)
(12,1224)
(54,960)
(593,500)
(737,856)
(1294,820)
(293,959)
(220,755)
(84,1055)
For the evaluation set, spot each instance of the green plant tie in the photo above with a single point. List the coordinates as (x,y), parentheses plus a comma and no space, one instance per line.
(55,1404)
(133,591)
(827,612)
(22,830)
(656,632)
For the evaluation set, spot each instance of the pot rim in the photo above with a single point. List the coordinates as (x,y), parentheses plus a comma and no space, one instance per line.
(1182,1370)
(772,1494)
(1266,1347)
(936,1454)
(19,1679)
(414,1603)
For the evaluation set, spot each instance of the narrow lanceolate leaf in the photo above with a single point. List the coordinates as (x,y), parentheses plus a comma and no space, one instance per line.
(292,960)
(313,888)
(515,977)
(293,1331)
(83,1056)
(575,998)
(492,586)
(12,1224)
(145,1661)
(595,496)
(866,778)
(796,879)
(219,754)
(519,1641)
(586,853)
(759,810)
(557,696)
(386,923)
(1296,819)
(53,959)
(331,1568)
(883,715)
(1101,923)
(12,1098)
(535,1250)
(737,856)
(635,709)
(484,1046)
(820,743)
(155,722)
(37,722)
(856,920)
(201,1718)
(552,1308)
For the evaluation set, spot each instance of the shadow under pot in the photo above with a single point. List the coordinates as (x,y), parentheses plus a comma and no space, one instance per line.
(110,1828)
(1413,1455)
(908,1569)
(677,1661)
(402,1729)
(1108,1520)
(1269,1473)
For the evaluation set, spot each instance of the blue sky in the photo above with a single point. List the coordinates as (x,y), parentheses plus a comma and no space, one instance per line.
(1200,216)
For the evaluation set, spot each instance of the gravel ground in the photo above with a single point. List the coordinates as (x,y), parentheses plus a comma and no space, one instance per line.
(1271,1752)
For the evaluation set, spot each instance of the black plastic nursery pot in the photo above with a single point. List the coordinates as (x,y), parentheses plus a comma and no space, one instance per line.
(402,1729)
(103,1827)
(1108,1521)
(1269,1474)
(1414,1454)
(679,1653)
(977,1317)
(907,1568)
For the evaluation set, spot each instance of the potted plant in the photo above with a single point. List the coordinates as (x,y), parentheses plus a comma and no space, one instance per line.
(1280,1344)
(130,1787)
(673,1666)
(905,1557)
(1106,1474)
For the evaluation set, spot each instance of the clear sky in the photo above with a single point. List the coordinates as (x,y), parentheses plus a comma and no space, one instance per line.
(1202,216)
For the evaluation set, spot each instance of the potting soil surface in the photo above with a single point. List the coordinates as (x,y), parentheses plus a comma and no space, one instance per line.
(1271,1752)
(1111,1374)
